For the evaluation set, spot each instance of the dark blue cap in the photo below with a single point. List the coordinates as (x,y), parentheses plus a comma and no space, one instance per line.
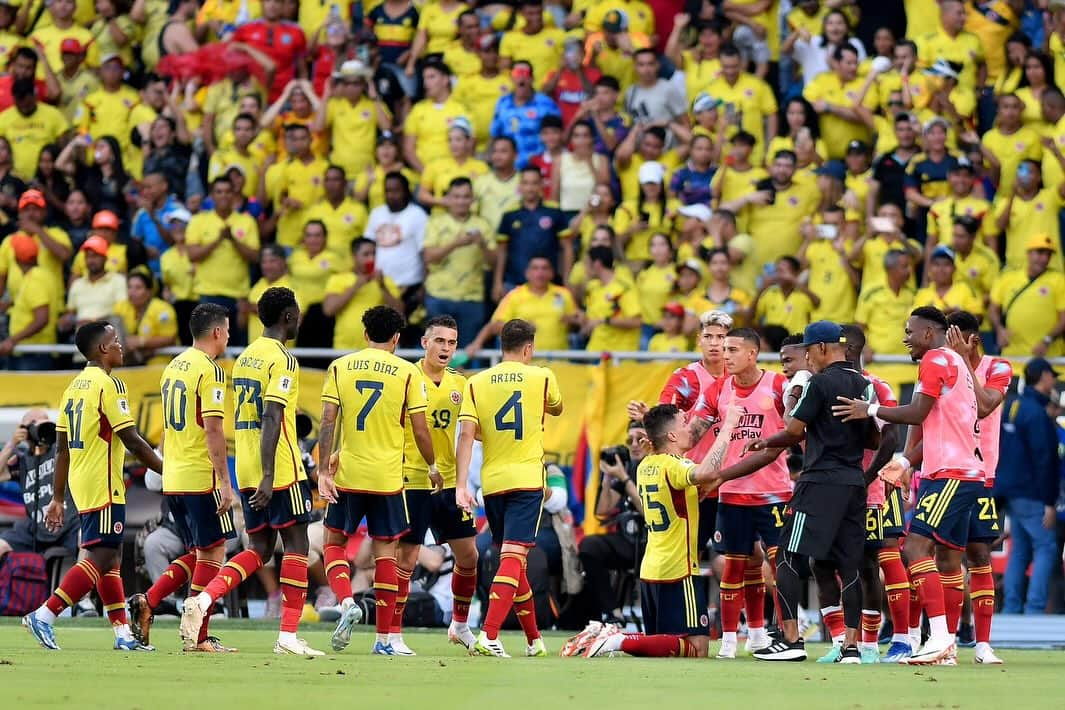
(1035,369)
(822,331)
(834,169)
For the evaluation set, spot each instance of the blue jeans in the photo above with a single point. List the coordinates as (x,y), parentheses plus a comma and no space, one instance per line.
(1031,542)
(468,314)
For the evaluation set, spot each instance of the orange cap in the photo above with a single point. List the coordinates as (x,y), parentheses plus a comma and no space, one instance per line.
(105,219)
(96,244)
(32,197)
(24,247)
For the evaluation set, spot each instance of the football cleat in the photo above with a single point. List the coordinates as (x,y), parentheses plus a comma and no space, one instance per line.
(132,645)
(898,652)
(342,634)
(212,644)
(986,656)
(43,632)
(399,645)
(951,660)
(833,654)
(141,617)
(460,634)
(783,651)
(933,651)
(382,649)
(606,647)
(870,656)
(849,656)
(536,649)
(191,620)
(579,643)
(727,650)
(299,648)
(757,639)
(489,647)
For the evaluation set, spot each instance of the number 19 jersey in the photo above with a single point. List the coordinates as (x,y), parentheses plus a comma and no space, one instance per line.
(376,392)
(509,403)
(671,512)
(266,372)
(193,388)
(442,417)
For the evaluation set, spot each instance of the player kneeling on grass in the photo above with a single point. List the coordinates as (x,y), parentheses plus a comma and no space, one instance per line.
(672,594)
(95,409)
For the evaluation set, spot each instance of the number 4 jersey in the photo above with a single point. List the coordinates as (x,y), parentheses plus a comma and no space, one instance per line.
(445,399)
(193,388)
(376,392)
(266,372)
(509,402)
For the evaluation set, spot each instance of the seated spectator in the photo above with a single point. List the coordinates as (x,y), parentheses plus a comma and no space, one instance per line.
(31,315)
(349,295)
(93,295)
(611,317)
(149,322)
(105,225)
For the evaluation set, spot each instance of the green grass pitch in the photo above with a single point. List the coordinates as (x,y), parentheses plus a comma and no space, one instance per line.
(88,674)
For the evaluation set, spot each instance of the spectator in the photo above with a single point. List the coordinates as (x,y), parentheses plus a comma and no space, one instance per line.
(395,23)
(479,93)
(11,186)
(274,269)
(962,202)
(104,179)
(436,29)
(349,295)
(105,225)
(296,185)
(656,284)
(954,43)
(30,126)
(611,317)
(52,254)
(31,316)
(109,111)
(749,102)
(177,271)
(572,85)
(721,293)
(882,310)
(518,115)
(77,218)
(168,151)
(398,229)
(611,127)
(154,201)
(701,63)
(94,295)
(815,53)
(671,338)
(928,171)
(1027,480)
(344,116)
(439,174)
(641,145)
(944,291)
(425,130)
(310,267)
(532,230)
(652,211)
(653,100)
(1028,307)
(548,160)
(278,46)
(52,184)
(343,216)
(63,26)
(976,264)
(836,96)
(784,301)
(884,235)
(1009,143)
(22,64)
(149,322)
(580,280)
(888,180)
(464,56)
(497,191)
(1029,210)
(533,44)
(830,274)
(690,184)
(241,153)
(371,189)
(737,176)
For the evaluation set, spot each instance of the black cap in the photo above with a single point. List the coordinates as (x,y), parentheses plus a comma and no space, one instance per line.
(857,147)
(1035,369)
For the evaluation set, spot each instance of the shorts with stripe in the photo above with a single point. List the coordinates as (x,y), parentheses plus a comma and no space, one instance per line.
(944,506)
(385,513)
(740,526)
(826,521)
(677,608)
(103,527)
(984,523)
(437,512)
(894,513)
(514,516)
(286,508)
(874,529)
(198,523)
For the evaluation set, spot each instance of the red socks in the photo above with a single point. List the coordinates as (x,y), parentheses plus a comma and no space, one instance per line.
(754,595)
(982,591)
(76,583)
(202,574)
(113,596)
(501,595)
(173,578)
(833,618)
(337,571)
(524,608)
(657,646)
(953,597)
(238,569)
(870,625)
(293,590)
(402,592)
(915,607)
(463,587)
(897,587)
(732,592)
(385,587)
(926,578)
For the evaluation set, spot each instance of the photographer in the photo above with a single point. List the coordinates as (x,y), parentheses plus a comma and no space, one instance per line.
(619,507)
(29,457)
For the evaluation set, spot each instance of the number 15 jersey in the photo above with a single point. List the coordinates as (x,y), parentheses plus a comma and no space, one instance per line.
(509,403)
(376,392)
(671,512)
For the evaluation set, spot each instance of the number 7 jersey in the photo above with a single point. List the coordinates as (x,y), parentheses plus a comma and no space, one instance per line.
(509,403)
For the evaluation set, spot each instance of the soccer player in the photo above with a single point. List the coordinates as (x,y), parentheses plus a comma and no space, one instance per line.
(196,481)
(945,405)
(94,410)
(375,392)
(427,508)
(274,490)
(505,406)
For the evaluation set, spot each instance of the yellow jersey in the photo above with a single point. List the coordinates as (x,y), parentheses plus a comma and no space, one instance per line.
(34,290)
(460,275)
(266,372)
(178,273)
(51,39)
(255,326)
(542,50)
(733,185)
(1038,215)
(193,388)
(353,131)
(545,311)
(108,113)
(508,403)
(429,122)
(830,282)
(655,285)
(883,313)
(1022,144)
(494,197)
(776,227)
(751,101)
(836,132)
(377,392)
(664,343)
(872,260)
(438,175)
(979,269)
(478,94)
(1030,309)
(462,62)
(250,164)
(117,261)
(93,409)
(793,312)
(310,274)
(671,512)
(613,299)
(349,331)
(1052,172)
(439,25)
(158,320)
(46,260)
(224,272)
(305,183)
(442,416)
(965,49)
(698,73)
(343,223)
(28,134)
(658,216)
(959,297)
(942,213)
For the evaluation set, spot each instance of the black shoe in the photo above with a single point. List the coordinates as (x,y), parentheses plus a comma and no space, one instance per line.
(887,631)
(783,651)
(965,637)
(850,656)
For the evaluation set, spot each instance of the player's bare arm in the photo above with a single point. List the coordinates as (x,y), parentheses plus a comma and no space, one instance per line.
(899,471)
(987,400)
(140,449)
(423,439)
(273,413)
(216,451)
(55,513)
(913,413)
(468,432)
(326,469)
(889,441)
(793,434)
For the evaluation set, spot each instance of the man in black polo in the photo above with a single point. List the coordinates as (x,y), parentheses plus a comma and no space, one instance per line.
(826,517)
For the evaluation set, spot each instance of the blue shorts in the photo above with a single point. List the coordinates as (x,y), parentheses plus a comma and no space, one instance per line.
(943,509)
(286,508)
(438,512)
(103,527)
(514,517)
(677,608)
(984,523)
(894,513)
(740,526)
(874,529)
(199,525)
(385,513)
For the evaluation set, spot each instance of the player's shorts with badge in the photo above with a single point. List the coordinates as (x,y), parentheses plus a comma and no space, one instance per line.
(103,527)
(739,527)
(894,513)
(944,506)
(514,516)
(385,513)
(984,523)
(438,512)
(675,607)
(286,508)
(199,525)
(874,528)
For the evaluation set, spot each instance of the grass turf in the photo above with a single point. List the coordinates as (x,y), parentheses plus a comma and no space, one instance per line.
(88,674)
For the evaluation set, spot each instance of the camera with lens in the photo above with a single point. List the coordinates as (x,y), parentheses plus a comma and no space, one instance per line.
(37,434)
(614,455)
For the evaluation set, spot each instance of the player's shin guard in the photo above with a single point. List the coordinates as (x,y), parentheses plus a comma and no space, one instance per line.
(524,608)
(293,590)
(173,578)
(754,595)
(982,590)
(953,597)
(113,596)
(337,571)
(75,584)
(915,607)
(732,592)
(385,587)
(233,574)
(925,577)
(501,594)
(202,574)
(463,587)
(402,592)
(897,588)
(657,646)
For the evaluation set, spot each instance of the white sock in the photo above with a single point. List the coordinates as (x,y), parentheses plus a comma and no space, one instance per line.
(983,647)
(838,640)
(45,614)
(287,638)
(383,638)
(756,632)
(915,632)
(728,637)
(938,627)
(613,643)
(460,626)
(395,637)
(900,638)
(122,632)
(204,601)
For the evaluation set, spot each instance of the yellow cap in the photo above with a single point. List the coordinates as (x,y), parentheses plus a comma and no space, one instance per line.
(1042,241)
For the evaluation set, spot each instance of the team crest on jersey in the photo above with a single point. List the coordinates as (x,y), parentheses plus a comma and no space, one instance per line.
(456,397)
(118,528)
(1044,291)
(717,537)
(704,620)
(545,223)
(286,39)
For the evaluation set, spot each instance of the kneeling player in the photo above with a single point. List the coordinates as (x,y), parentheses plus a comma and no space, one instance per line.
(95,410)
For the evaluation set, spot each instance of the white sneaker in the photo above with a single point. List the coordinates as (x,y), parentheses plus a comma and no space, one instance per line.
(400,646)
(460,634)
(191,621)
(727,650)
(933,651)
(606,646)
(489,647)
(299,648)
(757,639)
(986,656)
(536,649)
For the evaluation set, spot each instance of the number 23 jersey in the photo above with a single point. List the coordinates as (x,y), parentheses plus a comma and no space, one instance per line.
(445,399)
(671,512)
